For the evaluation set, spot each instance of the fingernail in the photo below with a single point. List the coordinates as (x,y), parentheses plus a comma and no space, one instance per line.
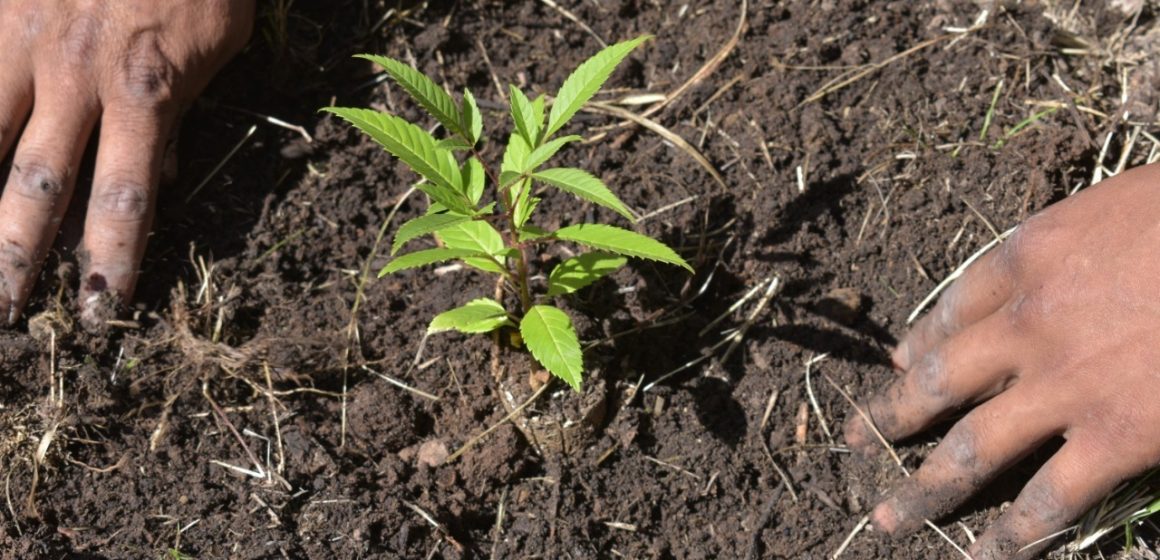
(98,309)
(885,517)
(858,435)
(98,304)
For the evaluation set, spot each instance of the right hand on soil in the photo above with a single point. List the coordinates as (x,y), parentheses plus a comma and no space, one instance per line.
(130,64)
(1054,333)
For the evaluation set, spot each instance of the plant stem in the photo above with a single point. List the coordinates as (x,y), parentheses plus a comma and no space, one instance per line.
(513,234)
(525,295)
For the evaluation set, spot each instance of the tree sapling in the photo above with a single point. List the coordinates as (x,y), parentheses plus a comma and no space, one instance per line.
(494,236)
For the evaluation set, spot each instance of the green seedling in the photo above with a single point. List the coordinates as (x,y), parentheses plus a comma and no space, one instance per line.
(495,235)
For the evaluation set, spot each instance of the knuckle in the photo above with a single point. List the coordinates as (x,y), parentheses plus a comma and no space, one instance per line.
(1026,312)
(1043,504)
(15,257)
(930,376)
(146,74)
(37,181)
(123,201)
(1033,237)
(81,36)
(962,445)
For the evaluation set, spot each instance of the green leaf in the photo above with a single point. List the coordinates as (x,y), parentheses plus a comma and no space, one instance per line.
(477,316)
(474,180)
(476,235)
(422,226)
(549,335)
(425,91)
(532,233)
(524,116)
(545,152)
(480,237)
(415,146)
(423,258)
(515,156)
(584,185)
(538,115)
(582,270)
(525,205)
(472,118)
(621,242)
(509,178)
(454,144)
(445,198)
(585,81)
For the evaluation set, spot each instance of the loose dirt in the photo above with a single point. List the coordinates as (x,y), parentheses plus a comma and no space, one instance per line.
(246,412)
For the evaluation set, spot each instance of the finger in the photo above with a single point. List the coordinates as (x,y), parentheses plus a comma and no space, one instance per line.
(966,368)
(15,102)
(120,213)
(981,290)
(1080,474)
(984,443)
(38,189)
(15,88)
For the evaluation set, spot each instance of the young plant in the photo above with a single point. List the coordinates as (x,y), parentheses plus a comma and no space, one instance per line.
(494,235)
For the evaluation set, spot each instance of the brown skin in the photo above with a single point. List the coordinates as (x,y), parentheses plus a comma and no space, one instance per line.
(1054,333)
(66,65)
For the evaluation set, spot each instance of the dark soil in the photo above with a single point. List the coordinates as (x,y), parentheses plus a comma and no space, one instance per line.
(243,352)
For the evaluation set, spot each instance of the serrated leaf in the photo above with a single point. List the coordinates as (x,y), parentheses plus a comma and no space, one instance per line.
(425,257)
(621,242)
(531,232)
(454,144)
(472,118)
(582,270)
(509,178)
(545,152)
(524,208)
(484,264)
(474,180)
(538,113)
(548,334)
(446,198)
(415,146)
(585,81)
(477,316)
(480,237)
(515,154)
(524,116)
(476,235)
(423,90)
(584,185)
(423,225)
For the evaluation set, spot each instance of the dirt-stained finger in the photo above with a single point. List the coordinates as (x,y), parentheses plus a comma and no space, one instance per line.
(966,368)
(981,445)
(120,215)
(1080,474)
(38,189)
(983,288)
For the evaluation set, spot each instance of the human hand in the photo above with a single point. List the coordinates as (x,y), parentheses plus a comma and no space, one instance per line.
(130,64)
(1054,333)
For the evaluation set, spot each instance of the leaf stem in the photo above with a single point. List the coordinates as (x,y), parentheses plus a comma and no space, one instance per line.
(513,234)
